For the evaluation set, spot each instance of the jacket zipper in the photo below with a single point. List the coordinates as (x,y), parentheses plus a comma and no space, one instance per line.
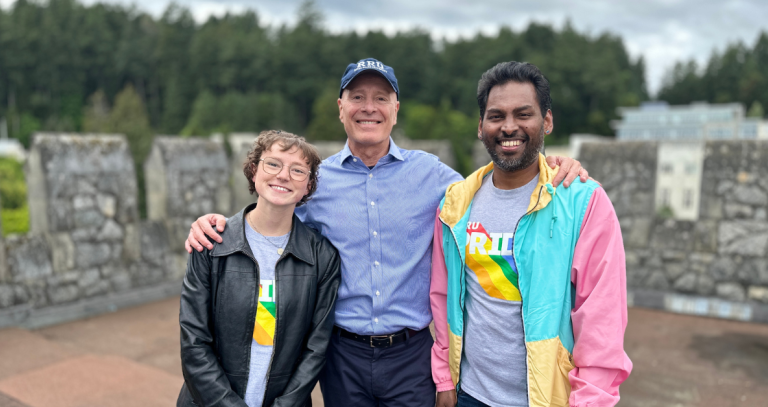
(527,381)
(522,316)
(258,280)
(461,299)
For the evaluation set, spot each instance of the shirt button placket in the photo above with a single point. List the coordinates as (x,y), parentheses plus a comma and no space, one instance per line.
(375,250)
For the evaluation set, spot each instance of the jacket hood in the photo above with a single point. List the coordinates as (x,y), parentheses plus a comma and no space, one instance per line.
(459,195)
(234,240)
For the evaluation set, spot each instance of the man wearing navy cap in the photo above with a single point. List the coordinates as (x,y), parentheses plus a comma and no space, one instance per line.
(376,203)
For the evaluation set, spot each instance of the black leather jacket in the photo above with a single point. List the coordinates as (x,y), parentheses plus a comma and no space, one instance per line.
(218,312)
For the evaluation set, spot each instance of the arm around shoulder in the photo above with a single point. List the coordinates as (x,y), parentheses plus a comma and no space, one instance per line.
(599,313)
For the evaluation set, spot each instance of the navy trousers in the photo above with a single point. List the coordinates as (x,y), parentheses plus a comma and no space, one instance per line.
(357,375)
(465,400)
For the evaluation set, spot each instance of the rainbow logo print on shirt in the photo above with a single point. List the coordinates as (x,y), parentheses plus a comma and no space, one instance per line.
(489,256)
(264,330)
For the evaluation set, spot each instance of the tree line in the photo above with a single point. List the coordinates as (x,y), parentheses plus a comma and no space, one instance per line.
(66,66)
(737,74)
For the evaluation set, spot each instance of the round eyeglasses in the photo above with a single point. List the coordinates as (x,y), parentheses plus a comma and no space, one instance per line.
(274,166)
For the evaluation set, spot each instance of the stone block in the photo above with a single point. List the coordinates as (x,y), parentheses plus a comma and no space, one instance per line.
(635,231)
(673,255)
(758,293)
(7,296)
(127,209)
(89,278)
(654,261)
(657,280)
(177,265)
(60,217)
(92,254)
(70,277)
(85,186)
(705,285)
(675,270)
(29,259)
(88,218)
(36,293)
(110,231)
(669,234)
(100,288)
(747,238)
(121,281)
(131,243)
(81,202)
(749,194)
(84,235)
(154,242)
(724,186)
(723,269)
(107,205)
(730,290)
(183,171)
(711,207)
(705,236)
(62,251)
(735,210)
(760,214)
(686,283)
(67,172)
(753,271)
(631,258)
(62,294)
(699,257)
(636,276)
(21,294)
(115,252)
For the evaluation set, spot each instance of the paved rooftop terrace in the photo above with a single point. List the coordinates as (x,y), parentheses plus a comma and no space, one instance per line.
(131,358)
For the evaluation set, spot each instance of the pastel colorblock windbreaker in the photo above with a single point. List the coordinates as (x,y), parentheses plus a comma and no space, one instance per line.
(572,281)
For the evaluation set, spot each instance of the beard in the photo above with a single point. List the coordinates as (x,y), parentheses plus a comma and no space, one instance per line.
(533,145)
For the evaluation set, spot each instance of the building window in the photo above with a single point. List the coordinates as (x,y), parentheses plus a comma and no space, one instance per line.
(687,198)
(667,168)
(665,197)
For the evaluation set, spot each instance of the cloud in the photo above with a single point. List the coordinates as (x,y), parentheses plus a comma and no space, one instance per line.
(662,31)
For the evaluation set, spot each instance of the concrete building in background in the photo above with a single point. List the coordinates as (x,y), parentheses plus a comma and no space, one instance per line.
(658,121)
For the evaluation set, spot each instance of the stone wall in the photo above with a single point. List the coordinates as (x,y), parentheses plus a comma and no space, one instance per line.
(87,251)
(186,177)
(86,240)
(715,265)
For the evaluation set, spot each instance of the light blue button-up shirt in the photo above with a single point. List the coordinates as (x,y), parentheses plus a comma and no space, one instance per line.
(381,221)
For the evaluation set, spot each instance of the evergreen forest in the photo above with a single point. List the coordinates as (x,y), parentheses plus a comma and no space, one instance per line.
(66,66)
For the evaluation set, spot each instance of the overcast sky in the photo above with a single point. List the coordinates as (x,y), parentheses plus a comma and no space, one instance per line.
(663,31)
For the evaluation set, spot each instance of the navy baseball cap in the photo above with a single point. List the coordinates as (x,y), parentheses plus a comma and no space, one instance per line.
(369,64)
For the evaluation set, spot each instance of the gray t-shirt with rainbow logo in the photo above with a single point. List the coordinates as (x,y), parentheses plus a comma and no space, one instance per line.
(264,327)
(493,366)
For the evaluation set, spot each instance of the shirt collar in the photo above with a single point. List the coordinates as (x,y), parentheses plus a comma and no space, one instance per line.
(394,151)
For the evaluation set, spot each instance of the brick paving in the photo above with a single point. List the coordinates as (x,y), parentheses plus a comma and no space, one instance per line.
(131,358)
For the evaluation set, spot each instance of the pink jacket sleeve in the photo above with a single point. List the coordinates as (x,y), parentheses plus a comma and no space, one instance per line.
(599,314)
(438,298)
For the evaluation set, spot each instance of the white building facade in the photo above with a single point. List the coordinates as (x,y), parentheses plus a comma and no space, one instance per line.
(658,121)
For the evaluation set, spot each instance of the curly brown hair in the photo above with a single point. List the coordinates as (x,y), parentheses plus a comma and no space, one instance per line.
(266,140)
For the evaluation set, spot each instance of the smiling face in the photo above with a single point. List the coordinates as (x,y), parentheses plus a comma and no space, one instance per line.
(513,127)
(368,108)
(280,190)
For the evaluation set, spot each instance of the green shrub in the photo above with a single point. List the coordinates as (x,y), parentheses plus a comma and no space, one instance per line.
(13,189)
(15,220)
